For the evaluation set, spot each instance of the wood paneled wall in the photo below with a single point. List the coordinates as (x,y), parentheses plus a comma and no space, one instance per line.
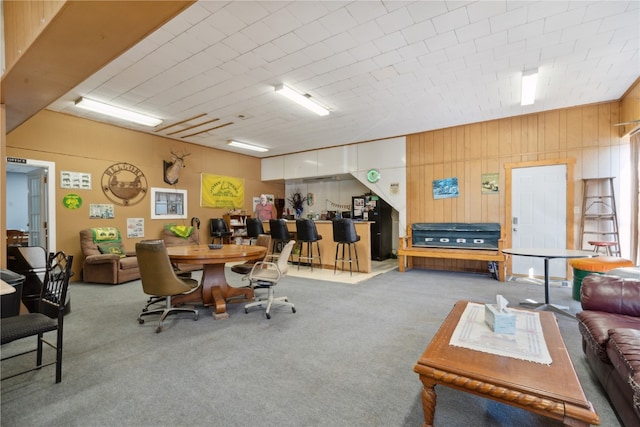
(23,22)
(585,134)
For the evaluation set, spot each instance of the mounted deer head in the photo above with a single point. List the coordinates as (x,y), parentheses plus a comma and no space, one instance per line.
(172,169)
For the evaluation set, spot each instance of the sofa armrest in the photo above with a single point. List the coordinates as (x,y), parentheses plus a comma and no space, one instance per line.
(611,294)
(102,259)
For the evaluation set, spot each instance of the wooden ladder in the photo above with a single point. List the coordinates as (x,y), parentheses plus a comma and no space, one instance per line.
(599,223)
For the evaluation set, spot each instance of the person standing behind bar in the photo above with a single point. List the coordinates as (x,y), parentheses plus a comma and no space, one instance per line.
(264,209)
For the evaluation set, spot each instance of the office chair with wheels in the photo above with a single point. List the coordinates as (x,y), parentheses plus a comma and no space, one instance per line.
(159,279)
(219,230)
(50,316)
(263,240)
(344,234)
(266,275)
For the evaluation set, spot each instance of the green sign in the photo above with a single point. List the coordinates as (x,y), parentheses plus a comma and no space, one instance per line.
(72,201)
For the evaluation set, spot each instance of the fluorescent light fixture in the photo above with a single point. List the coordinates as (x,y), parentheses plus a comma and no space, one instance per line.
(529,82)
(247,146)
(120,113)
(304,100)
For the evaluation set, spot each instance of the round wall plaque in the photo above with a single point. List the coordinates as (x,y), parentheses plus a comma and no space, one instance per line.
(124,184)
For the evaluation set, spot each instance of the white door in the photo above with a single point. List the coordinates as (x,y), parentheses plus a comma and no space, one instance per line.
(37,208)
(539,216)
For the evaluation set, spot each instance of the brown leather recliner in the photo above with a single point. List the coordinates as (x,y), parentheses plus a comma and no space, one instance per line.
(109,268)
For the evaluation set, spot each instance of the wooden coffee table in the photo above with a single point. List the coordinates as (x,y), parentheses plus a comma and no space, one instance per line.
(550,390)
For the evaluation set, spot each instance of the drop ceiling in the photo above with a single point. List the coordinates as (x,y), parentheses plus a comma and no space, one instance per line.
(383,68)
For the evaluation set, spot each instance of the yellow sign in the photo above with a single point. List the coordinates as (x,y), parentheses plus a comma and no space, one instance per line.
(223,192)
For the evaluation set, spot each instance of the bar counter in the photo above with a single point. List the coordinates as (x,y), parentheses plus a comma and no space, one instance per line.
(328,246)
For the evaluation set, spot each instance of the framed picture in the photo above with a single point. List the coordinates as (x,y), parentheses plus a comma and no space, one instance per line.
(167,203)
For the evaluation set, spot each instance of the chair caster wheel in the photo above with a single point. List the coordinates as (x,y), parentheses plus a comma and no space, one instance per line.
(268,315)
(158,329)
(196,317)
(246,311)
(293,309)
(141,321)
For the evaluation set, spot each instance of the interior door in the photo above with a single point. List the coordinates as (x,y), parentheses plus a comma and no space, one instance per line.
(37,208)
(539,217)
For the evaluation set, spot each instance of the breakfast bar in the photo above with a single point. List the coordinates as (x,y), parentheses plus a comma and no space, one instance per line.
(328,246)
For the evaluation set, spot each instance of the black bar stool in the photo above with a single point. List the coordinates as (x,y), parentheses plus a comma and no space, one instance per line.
(344,234)
(254,229)
(306,232)
(279,235)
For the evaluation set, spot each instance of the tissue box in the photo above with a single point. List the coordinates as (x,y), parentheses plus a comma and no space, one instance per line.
(499,322)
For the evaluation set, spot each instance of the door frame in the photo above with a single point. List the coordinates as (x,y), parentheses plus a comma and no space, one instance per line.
(569,230)
(51,197)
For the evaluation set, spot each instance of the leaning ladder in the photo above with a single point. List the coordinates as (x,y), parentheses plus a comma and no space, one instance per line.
(599,218)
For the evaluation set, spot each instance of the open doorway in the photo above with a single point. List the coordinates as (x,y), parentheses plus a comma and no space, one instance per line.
(30,189)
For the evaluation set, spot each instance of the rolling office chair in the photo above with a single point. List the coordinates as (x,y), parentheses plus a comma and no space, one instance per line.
(50,316)
(159,279)
(219,230)
(306,232)
(344,234)
(266,275)
(263,240)
(279,235)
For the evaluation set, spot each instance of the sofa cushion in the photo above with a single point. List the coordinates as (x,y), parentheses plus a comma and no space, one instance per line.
(111,248)
(129,263)
(611,294)
(594,327)
(624,351)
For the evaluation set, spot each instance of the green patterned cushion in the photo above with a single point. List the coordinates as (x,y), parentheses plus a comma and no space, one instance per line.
(106,234)
(183,231)
(111,248)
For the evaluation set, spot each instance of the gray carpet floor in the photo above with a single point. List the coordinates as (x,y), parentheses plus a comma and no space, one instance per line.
(344,359)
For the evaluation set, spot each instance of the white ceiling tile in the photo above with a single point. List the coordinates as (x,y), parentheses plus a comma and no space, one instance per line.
(395,21)
(240,43)
(473,31)
(511,19)
(441,41)
(312,33)
(337,21)
(451,20)
(391,41)
(563,20)
(423,10)
(418,32)
(365,11)
(483,10)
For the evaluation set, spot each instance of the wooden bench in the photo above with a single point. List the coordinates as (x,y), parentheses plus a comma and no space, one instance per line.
(406,253)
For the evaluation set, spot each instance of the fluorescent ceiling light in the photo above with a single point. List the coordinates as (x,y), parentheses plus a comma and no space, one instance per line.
(304,100)
(120,113)
(529,82)
(247,146)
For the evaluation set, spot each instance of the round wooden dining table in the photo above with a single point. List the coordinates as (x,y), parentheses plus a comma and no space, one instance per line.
(214,289)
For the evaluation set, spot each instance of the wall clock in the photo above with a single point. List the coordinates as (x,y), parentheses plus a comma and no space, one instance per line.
(124,184)
(373,175)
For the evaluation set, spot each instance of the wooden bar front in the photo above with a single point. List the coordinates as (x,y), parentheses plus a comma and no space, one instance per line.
(328,246)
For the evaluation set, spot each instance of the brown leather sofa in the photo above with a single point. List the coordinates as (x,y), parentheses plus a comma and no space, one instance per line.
(110,268)
(610,329)
(171,239)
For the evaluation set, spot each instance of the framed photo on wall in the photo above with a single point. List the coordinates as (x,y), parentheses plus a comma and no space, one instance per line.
(167,203)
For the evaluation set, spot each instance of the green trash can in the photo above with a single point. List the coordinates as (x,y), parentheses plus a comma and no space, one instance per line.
(578,275)
(582,267)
